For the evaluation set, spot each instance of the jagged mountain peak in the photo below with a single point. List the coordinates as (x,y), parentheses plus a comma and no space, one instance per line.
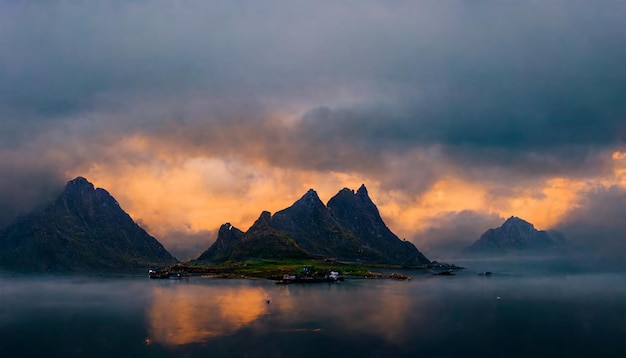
(78,187)
(265,217)
(309,202)
(515,221)
(79,182)
(514,234)
(343,195)
(365,199)
(262,223)
(79,190)
(349,228)
(309,222)
(307,205)
(348,200)
(228,237)
(356,213)
(84,228)
(349,194)
(225,227)
(262,240)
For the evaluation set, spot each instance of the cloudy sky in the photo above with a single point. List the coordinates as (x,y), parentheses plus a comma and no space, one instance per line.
(455,114)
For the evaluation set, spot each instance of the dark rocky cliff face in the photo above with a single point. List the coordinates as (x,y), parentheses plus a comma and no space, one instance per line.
(350,229)
(83,229)
(357,213)
(514,234)
(265,242)
(313,227)
(227,238)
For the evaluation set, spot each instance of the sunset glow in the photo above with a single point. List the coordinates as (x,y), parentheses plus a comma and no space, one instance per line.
(182,316)
(454,120)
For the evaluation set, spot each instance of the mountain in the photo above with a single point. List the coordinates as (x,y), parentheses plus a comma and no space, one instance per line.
(348,228)
(228,237)
(83,229)
(313,227)
(357,213)
(515,234)
(264,241)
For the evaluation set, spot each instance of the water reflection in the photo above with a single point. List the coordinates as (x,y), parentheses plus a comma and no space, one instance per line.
(376,308)
(199,310)
(190,313)
(552,314)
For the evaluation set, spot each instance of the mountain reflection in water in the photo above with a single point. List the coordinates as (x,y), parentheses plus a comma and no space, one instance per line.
(514,312)
(186,313)
(182,313)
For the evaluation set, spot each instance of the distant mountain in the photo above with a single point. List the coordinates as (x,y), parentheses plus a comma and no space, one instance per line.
(515,235)
(83,229)
(349,228)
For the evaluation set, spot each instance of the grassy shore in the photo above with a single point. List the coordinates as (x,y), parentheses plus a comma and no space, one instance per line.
(275,269)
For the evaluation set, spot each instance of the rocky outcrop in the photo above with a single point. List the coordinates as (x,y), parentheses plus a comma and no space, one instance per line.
(83,229)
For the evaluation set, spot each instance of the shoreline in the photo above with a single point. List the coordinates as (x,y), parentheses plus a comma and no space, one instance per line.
(277,269)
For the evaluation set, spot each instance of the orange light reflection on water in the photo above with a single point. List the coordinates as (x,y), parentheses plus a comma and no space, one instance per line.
(194,314)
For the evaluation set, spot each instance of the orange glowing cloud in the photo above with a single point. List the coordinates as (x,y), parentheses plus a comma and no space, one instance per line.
(168,192)
(618,155)
(557,197)
(542,206)
(202,194)
(173,191)
(620,171)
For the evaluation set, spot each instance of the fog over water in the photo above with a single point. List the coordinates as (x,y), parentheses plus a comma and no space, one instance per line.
(531,308)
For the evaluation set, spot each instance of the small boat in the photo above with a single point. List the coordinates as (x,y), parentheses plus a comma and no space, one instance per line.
(158,274)
(333,276)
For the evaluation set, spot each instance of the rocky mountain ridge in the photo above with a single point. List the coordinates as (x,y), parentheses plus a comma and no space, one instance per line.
(83,229)
(348,228)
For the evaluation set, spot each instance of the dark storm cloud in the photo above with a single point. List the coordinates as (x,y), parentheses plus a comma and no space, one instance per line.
(597,225)
(65,56)
(451,232)
(534,89)
(34,164)
(403,92)
(23,187)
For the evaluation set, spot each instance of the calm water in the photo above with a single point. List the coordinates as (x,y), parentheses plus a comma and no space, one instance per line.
(540,312)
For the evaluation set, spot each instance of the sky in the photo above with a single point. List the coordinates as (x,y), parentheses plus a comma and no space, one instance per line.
(455,114)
